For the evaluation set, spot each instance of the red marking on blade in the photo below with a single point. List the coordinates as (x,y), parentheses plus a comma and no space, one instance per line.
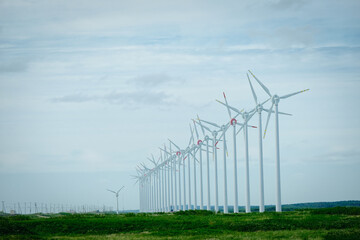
(254,126)
(224,94)
(178,153)
(198,142)
(185,158)
(216,143)
(233,121)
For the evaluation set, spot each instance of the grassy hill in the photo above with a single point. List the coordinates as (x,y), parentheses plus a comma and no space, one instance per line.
(296,206)
(321,223)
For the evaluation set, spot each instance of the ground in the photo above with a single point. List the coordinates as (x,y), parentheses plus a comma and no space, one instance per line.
(328,223)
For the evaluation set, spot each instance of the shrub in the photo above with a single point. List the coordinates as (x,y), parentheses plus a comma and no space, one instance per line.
(338,210)
(130,214)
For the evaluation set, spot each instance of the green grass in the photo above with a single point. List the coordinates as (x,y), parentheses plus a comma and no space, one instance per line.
(327,223)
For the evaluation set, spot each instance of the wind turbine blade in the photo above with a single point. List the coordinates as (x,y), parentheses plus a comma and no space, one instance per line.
(203,126)
(191,137)
(120,189)
(164,151)
(174,144)
(261,84)
(211,123)
(152,161)
(197,134)
(268,118)
(282,113)
(232,108)
(252,89)
(227,105)
(192,133)
(252,114)
(292,94)
(111,191)
(242,126)
(265,101)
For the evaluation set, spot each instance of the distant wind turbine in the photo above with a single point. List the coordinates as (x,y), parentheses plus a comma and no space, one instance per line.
(117,198)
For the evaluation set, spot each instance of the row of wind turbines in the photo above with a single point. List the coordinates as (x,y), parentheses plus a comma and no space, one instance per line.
(163,188)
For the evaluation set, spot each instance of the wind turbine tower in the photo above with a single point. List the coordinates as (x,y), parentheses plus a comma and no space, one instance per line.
(117,198)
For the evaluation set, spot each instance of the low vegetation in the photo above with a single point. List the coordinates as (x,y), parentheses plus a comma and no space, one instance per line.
(325,223)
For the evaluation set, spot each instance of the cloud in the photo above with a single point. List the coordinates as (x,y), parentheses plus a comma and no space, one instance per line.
(133,99)
(13,65)
(153,80)
(340,156)
(287,4)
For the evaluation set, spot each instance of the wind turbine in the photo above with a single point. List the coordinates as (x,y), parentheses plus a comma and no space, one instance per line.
(200,143)
(156,172)
(246,117)
(117,198)
(215,141)
(259,109)
(233,123)
(139,179)
(194,148)
(206,139)
(275,99)
(162,182)
(179,155)
(167,178)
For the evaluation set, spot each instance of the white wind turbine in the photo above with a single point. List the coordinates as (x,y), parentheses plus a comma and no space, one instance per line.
(139,179)
(188,150)
(275,99)
(246,117)
(117,198)
(179,155)
(259,109)
(162,183)
(167,161)
(215,141)
(199,144)
(156,172)
(194,148)
(206,139)
(233,123)
(223,129)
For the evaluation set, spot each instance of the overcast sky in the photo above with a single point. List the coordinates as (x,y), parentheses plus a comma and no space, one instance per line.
(89,89)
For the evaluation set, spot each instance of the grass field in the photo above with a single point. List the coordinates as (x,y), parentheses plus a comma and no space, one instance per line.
(328,223)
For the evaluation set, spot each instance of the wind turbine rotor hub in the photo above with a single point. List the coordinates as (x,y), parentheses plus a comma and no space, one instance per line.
(206,138)
(233,122)
(214,133)
(259,108)
(275,99)
(245,116)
